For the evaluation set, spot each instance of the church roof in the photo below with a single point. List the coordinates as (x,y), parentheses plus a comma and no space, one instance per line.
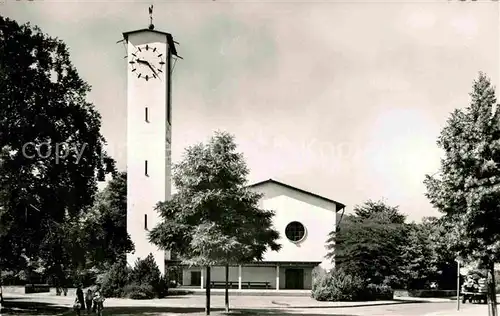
(339,205)
(170,39)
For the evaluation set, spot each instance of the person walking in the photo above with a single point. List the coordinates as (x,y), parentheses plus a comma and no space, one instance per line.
(88,300)
(79,295)
(77,306)
(98,300)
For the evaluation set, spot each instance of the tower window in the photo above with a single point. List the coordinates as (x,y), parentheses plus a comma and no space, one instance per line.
(146,168)
(146,117)
(145,221)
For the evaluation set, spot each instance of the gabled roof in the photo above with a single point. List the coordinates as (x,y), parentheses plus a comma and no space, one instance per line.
(170,39)
(339,205)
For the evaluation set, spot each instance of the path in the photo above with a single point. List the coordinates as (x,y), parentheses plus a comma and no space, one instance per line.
(193,305)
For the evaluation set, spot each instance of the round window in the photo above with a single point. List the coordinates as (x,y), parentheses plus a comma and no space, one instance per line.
(295,231)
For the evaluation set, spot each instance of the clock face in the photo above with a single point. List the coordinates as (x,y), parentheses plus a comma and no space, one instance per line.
(147,62)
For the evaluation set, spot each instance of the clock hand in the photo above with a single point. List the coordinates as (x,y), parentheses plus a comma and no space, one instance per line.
(140,61)
(154,71)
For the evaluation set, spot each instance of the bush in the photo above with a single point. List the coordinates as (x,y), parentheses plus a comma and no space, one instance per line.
(161,288)
(379,292)
(139,291)
(337,286)
(147,273)
(144,281)
(115,279)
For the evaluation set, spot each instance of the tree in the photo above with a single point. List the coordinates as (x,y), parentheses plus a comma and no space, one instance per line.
(441,239)
(214,219)
(51,150)
(369,243)
(419,257)
(379,211)
(466,190)
(105,226)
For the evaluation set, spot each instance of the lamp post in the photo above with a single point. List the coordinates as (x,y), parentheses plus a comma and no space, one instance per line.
(458,261)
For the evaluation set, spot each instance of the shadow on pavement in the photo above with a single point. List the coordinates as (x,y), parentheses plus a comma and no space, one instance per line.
(14,306)
(17,307)
(35,309)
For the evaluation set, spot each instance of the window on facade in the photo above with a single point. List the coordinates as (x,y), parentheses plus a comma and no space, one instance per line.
(146,221)
(146,117)
(295,231)
(145,167)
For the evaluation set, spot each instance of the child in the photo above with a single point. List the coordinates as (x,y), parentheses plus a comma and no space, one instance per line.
(98,301)
(88,301)
(77,306)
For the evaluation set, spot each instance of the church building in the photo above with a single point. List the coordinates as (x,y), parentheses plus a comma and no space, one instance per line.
(303,219)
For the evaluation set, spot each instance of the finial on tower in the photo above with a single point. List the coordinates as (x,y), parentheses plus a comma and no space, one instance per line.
(151,26)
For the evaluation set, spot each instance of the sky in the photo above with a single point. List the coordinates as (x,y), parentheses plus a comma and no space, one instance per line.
(344,99)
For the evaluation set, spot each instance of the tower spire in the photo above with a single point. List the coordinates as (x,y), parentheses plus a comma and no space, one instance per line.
(151,26)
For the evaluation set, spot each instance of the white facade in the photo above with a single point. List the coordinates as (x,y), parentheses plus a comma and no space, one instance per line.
(148,136)
(296,259)
(317,215)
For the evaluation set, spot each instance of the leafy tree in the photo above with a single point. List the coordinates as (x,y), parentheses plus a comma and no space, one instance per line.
(45,188)
(442,240)
(369,243)
(379,211)
(214,219)
(419,257)
(105,227)
(467,189)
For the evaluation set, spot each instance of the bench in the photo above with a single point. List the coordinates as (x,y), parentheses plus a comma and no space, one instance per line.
(258,284)
(231,284)
(246,284)
(36,288)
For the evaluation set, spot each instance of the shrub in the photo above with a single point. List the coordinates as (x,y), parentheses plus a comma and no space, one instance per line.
(139,291)
(161,288)
(144,281)
(378,292)
(147,273)
(115,279)
(337,286)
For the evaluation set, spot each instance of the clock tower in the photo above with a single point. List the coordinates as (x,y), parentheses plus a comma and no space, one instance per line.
(149,120)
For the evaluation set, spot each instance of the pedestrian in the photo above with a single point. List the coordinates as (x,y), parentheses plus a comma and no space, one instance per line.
(77,306)
(88,300)
(79,295)
(98,300)
(1,299)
